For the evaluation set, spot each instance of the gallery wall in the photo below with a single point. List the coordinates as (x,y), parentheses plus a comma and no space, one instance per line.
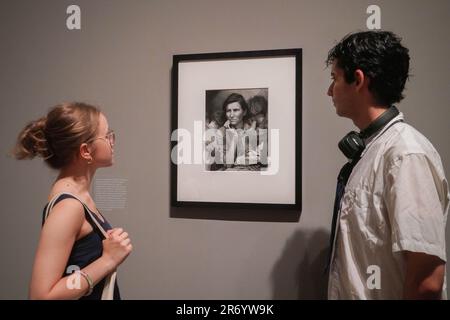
(121,59)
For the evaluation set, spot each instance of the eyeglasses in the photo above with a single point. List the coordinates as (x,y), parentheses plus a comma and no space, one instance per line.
(110,137)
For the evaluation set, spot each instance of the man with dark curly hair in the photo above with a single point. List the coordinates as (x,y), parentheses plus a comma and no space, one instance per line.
(392,197)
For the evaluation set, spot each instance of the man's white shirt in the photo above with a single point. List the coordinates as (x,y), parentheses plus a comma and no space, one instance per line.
(396,199)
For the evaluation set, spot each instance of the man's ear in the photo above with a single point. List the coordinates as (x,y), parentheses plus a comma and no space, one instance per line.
(85,153)
(360,79)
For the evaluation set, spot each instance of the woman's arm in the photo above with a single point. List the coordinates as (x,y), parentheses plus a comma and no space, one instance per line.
(58,235)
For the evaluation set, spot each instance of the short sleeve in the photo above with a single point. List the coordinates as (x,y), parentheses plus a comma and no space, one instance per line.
(416,199)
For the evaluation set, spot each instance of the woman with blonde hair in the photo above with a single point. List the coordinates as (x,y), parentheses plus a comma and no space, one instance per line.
(78,251)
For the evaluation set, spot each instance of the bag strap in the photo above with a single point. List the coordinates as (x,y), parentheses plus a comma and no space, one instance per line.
(91,215)
(110,280)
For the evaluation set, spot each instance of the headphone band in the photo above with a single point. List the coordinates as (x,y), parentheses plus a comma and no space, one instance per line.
(352,145)
(380,122)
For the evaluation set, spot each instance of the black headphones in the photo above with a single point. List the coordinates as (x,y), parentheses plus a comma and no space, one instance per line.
(352,145)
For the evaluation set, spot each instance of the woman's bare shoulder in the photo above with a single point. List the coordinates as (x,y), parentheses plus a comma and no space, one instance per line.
(68,206)
(64,221)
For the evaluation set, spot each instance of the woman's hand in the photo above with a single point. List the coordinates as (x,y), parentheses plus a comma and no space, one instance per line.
(117,246)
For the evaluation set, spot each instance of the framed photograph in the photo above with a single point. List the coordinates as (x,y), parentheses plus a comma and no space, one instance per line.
(236,129)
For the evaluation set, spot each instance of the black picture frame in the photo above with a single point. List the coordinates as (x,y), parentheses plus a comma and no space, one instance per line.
(179,59)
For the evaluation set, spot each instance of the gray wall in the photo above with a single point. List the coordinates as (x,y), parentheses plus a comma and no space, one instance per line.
(121,60)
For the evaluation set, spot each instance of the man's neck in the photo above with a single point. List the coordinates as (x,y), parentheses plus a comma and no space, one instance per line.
(369,114)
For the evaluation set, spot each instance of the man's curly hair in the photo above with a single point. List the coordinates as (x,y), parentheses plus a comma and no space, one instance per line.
(382,58)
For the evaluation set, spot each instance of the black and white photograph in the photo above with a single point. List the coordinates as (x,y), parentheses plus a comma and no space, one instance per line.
(238,121)
(236,126)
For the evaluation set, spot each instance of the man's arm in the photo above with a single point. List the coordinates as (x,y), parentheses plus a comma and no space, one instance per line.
(424,276)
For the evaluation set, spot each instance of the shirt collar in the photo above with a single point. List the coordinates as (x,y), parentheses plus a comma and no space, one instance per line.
(369,140)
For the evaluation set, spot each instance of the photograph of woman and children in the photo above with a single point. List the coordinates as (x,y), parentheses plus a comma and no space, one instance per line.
(236,126)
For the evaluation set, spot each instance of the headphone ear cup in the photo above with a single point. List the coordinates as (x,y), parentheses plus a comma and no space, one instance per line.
(352,145)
